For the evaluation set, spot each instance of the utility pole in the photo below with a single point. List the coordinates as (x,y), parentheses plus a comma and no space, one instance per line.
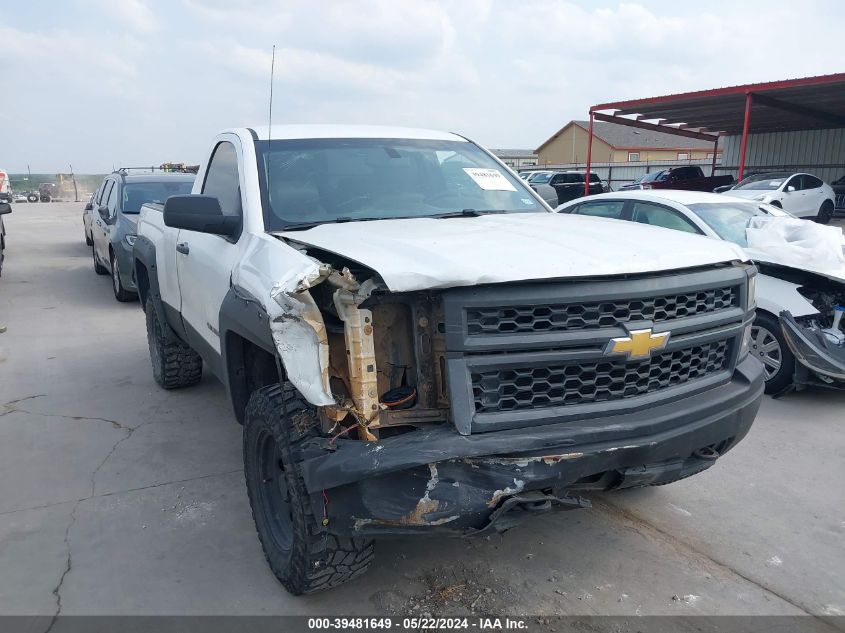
(73,178)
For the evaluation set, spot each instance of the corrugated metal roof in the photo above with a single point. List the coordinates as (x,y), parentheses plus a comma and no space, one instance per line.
(793,104)
(624,137)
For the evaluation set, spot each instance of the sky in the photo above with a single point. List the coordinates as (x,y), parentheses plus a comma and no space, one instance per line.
(106,83)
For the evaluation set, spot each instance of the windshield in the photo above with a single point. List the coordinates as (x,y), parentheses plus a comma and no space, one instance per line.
(763,182)
(540,178)
(653,176)
(730,219)
(312,181)
(137,193)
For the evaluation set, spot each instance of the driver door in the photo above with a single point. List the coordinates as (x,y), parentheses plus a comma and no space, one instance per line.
(794,200)
(204,262)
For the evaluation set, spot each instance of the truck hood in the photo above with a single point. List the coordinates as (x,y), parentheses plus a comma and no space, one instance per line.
(423,253)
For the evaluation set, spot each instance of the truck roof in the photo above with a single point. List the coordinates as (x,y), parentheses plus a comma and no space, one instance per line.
(350,131)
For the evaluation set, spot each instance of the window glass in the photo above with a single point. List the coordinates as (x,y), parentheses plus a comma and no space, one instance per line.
(308,181)
(137,193)
(104,194)
(763,182)
(683,156)
(601,209)
(112,201)
(811,182)
(795,181)
(98,196)
(633,156)
(222,181)
(656,215)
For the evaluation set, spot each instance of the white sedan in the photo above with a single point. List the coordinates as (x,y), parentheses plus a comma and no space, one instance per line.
(803,195)
(799,332)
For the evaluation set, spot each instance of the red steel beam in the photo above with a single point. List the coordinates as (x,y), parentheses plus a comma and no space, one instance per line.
(651,126)
(713,165)
(743,145)
(820,80)
(589,156)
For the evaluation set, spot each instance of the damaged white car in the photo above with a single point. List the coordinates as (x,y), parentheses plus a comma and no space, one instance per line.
(798,334)
(416,344)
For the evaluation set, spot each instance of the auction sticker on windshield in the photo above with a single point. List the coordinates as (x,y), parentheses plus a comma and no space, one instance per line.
(489,179)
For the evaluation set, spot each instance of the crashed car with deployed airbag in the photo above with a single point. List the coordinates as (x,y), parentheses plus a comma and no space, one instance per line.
(798,333)
(416,345)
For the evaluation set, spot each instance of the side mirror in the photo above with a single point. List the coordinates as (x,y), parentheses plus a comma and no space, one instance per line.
(89,206)
(5,208)
(104,212)
(790,189)
(199,213)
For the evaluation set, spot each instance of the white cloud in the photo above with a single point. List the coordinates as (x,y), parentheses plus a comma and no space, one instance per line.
(134,14)
(159,82)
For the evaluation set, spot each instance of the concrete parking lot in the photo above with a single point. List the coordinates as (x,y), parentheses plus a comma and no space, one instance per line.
(117,497)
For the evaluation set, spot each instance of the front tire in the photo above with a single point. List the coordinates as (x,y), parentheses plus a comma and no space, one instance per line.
(300,551)
(120,293)
(88,240)
(825,213)
(175,364)
(769,346)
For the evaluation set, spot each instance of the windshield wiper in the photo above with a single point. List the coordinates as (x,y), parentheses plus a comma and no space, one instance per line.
(468,213)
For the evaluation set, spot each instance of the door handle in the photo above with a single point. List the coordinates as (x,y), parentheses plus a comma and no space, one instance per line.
(182,247)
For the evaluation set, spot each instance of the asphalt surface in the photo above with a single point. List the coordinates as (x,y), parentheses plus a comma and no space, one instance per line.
(117,497)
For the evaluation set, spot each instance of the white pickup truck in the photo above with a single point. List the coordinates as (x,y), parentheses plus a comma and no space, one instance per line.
(415,344)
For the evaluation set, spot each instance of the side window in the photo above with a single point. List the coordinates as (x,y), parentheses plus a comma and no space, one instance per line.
(104,193)
(112,200)
(657,215)
(98,196)
(601,209)
(556,180)
(221,179)
(811,182)
(795,182)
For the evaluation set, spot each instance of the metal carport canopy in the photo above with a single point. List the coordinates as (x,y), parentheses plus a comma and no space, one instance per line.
(778,106)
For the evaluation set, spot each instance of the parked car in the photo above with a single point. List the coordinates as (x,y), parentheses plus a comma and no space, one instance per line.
(566,185)
(415,344)
(688,177)
(839,194)
(88,216)
(803,195)
(5,209)
(19,197)
(114,214)
(796,334)
(541,177)
(5,187)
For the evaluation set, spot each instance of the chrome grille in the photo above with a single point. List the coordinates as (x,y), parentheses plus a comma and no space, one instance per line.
(580,382)
(519,319)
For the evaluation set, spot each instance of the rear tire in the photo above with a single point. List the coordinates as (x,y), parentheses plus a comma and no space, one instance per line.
(120,293)
(769,346)
(301,553)
(98,268)
(825,213)
(175,364)
(88,240)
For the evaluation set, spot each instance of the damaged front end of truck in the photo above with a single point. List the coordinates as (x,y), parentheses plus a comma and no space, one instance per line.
(463,410)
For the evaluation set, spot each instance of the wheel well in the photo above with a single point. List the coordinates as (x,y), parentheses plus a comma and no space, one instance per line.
(143,282)
(249,367)
(776,203)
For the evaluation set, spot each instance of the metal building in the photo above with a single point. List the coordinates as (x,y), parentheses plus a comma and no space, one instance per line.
(793,124)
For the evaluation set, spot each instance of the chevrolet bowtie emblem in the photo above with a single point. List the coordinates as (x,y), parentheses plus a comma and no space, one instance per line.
(639,345)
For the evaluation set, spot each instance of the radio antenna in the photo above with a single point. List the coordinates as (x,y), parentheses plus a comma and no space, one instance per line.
(270,119)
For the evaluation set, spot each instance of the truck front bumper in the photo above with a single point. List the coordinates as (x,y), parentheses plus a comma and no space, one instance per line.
(437,481)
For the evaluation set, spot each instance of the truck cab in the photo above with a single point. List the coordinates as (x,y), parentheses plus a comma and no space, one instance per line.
(415,344)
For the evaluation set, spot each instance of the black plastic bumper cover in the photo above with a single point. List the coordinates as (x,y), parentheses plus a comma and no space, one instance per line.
(437,481)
